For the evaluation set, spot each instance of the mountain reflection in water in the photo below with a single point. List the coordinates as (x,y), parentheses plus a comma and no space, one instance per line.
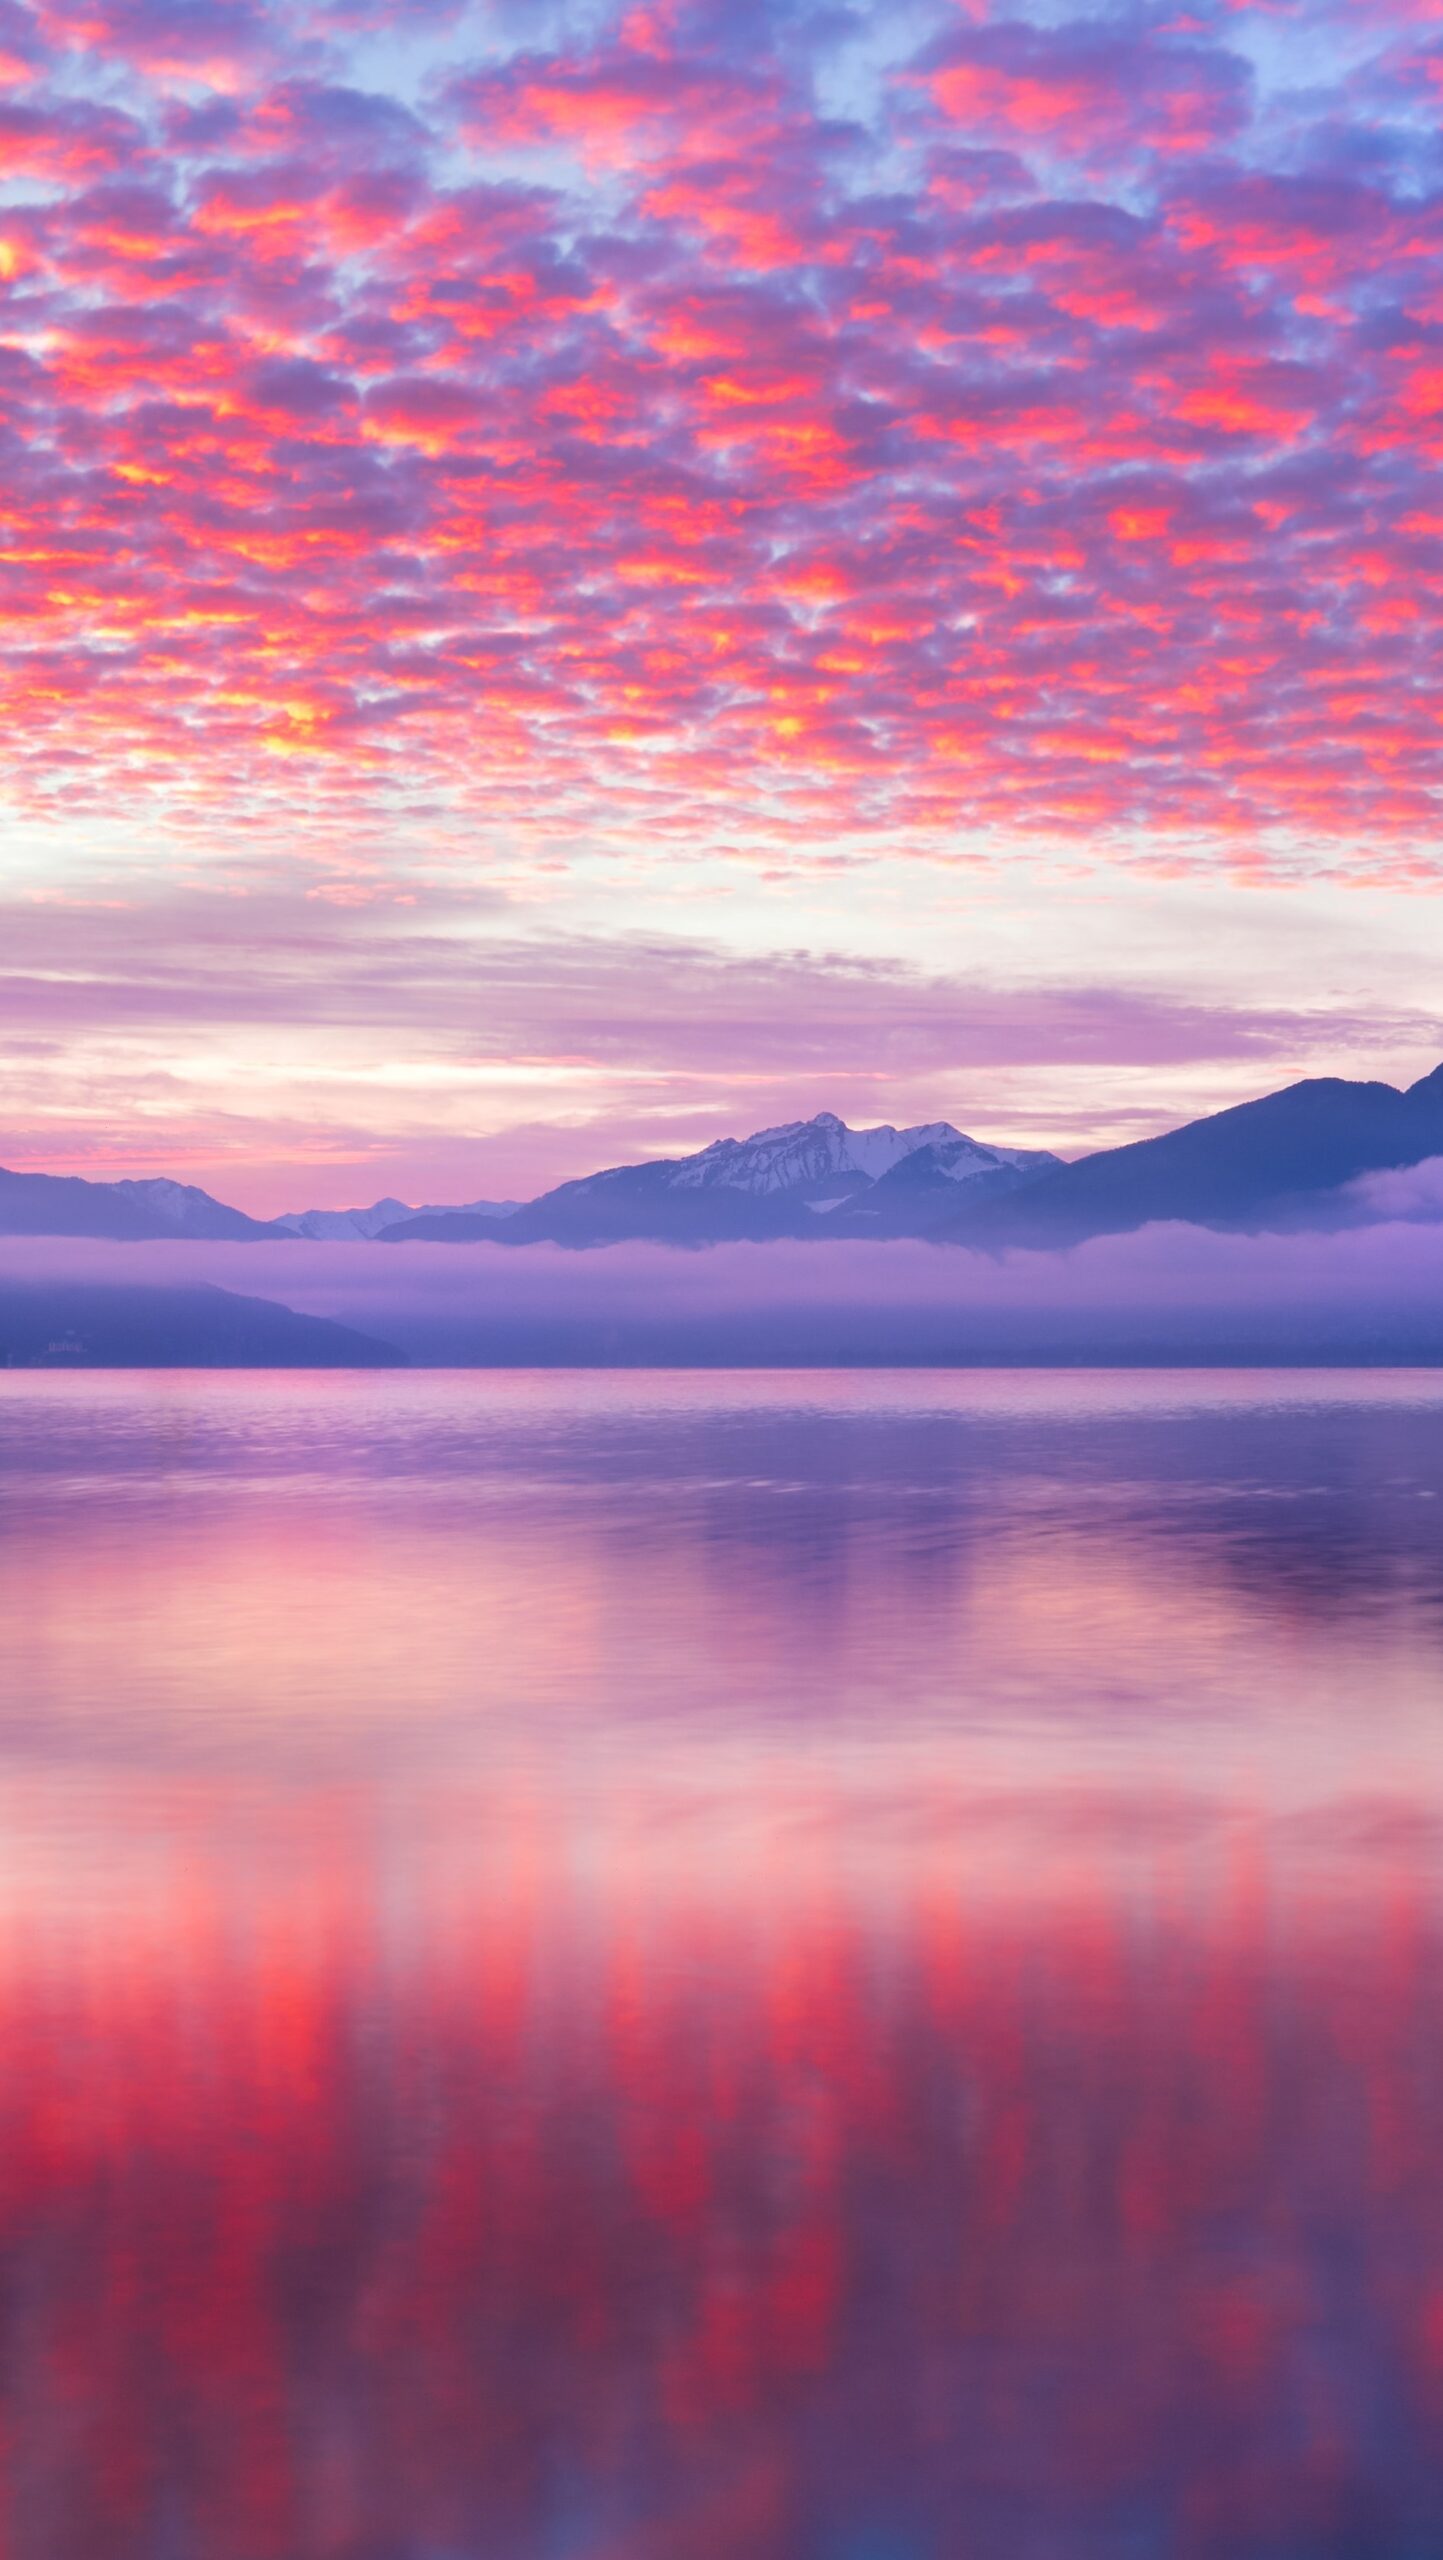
(736,1969)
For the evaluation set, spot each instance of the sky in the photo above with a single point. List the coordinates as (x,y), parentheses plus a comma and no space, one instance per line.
(575,579)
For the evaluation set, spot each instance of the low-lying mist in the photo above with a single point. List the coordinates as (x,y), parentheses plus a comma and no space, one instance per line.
(1168,1293)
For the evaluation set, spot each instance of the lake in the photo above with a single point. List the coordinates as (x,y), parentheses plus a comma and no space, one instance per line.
(727,1967)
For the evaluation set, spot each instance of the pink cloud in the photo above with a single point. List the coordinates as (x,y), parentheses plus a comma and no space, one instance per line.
(618,439)
(122,1015)
(1088,89)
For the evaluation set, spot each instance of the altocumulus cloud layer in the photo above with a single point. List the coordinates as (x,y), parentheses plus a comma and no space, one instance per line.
(790,417)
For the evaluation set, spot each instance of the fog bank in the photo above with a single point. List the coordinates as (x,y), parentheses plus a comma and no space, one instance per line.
(1166,1293)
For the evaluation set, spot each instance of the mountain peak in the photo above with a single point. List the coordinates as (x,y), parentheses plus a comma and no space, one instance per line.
(816,1158)
(183,1209)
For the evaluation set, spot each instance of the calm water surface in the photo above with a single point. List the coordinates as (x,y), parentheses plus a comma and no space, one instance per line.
(758,1968)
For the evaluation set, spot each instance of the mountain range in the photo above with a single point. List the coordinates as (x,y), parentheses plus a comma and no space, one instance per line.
(352,1226)
(1284,1162)
(808,1177)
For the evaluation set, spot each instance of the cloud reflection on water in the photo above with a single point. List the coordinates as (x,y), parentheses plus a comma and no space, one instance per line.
(649,1970)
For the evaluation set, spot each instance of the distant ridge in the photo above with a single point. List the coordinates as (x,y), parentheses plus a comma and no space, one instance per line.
(349,1226)
(1284,1162)
(46,1204)
(182,1210)
(805,1177)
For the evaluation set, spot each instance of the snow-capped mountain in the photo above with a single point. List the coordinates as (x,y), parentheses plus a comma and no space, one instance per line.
(777,1182)
(967,1160)
(822,1158)
(350,1226)
(1296,1160)
(809,1156)
(473,1209)
(345,1226)
(932,1182)
(182,1209)
(781,1181)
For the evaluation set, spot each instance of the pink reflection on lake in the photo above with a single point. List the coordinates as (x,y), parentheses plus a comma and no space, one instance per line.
(831,1973)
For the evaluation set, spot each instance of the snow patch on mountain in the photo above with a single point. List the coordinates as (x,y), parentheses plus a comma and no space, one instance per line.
(346,1226)
(803,1155)
(184,1208)
(960,1159)
(825,1160)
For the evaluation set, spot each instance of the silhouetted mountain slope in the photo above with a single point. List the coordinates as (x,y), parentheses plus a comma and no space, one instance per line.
(45,1204)
(1272,1163)
(60,1324)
